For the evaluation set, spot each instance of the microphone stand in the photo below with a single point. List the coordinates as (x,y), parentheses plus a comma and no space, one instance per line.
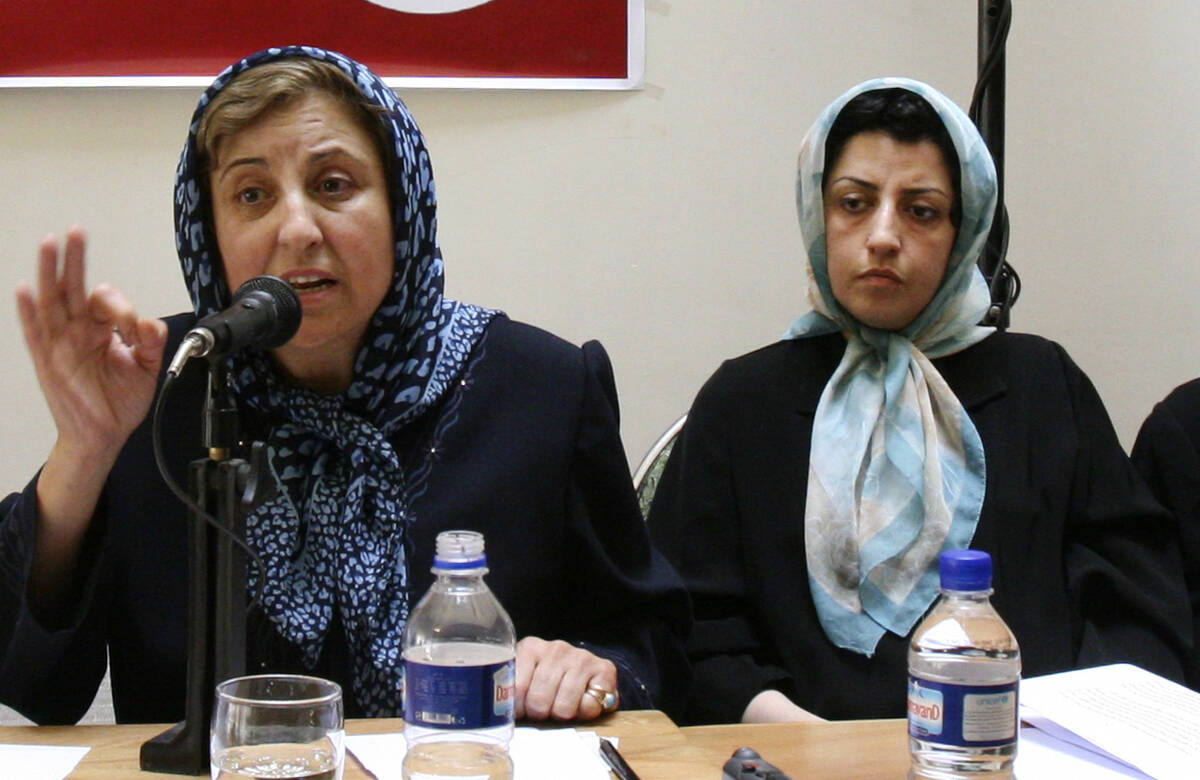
(993,19)
(991,105)
(228,489)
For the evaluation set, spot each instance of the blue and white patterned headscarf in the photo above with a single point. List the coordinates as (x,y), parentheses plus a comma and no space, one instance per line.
(896,471)
(334,537)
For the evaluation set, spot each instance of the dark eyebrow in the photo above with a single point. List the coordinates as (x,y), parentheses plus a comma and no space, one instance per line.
(860,182)
(926,191)
(335,151)
(225,169)
(910,191)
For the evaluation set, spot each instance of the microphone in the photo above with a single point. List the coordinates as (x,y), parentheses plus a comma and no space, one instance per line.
(265,313)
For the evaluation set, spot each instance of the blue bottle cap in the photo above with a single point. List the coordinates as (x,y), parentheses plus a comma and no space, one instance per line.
(965,570)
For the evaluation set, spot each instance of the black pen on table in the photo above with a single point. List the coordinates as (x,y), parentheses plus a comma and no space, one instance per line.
(616,761)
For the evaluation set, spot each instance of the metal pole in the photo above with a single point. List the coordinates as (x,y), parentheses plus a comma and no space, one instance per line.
(989,118)
(991,107)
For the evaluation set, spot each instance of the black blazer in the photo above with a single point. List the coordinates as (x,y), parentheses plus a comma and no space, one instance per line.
(1086,568)
(526,449)
(1167,453)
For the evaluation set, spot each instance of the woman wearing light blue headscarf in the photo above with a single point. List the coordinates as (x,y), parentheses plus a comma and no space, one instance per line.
(886,412)
(818,479)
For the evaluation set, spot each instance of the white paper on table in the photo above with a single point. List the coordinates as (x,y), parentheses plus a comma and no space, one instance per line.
(1139,718)
(1041,756)
(1062,735)
(537,754)
(40,762)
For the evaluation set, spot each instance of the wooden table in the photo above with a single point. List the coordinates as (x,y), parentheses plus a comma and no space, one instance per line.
(849,749)
(654,746)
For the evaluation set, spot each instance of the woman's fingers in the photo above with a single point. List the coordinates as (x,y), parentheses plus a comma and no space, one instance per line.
(72,282)
(50,305)
(61,292)
(573,700)
(31,325)
(108,307)
(96,360)
(151,338)
(553,679)
(543,683)
(62,298)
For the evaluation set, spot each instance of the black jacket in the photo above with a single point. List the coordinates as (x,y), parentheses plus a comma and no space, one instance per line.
(1167,453)
(526,449)
(1086,571)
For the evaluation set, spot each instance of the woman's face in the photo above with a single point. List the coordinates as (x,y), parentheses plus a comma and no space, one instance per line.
(301,194)
(888,228)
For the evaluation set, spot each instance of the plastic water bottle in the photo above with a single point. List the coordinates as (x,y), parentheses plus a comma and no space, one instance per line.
(459,670)
(964,668)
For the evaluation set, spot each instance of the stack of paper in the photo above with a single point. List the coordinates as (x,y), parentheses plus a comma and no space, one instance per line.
(537,754)
(1110,721)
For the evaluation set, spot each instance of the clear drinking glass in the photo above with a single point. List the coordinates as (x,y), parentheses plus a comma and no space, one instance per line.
(278,726)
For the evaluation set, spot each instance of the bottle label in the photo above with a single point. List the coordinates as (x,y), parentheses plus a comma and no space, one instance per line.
(459,697)
(962,715)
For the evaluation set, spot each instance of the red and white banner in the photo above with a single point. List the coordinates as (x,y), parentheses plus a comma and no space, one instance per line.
(571,44)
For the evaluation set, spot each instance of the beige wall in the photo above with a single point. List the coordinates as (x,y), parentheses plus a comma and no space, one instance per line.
(662,221)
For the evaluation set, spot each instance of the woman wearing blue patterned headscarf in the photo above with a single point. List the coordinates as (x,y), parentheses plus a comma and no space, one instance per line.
(818,479)
(393,414)
(378,344)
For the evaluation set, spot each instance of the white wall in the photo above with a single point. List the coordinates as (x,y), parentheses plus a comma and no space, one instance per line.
(662,221)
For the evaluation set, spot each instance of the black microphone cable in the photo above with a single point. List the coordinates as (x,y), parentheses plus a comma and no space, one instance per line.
(188,501)
(1004,286)
(996,47)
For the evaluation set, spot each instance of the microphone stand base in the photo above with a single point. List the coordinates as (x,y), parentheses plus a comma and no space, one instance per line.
(180,750)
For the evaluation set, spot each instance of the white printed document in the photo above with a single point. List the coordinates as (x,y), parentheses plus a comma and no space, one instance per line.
(1112,715)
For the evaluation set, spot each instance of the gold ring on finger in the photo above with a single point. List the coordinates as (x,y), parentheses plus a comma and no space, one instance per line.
(605,698)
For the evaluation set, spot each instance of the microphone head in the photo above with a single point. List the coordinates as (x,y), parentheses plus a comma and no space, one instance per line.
(280,295)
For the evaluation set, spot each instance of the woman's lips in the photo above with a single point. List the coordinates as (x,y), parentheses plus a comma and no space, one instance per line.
(882,276)
(304,283)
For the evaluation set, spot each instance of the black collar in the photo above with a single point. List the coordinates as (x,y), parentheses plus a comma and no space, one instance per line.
(974,374)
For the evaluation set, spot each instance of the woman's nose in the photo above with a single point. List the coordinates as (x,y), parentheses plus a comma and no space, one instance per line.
(299,228)
(884,234)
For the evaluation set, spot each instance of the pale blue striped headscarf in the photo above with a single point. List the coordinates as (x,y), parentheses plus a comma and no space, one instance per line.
(896,470)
